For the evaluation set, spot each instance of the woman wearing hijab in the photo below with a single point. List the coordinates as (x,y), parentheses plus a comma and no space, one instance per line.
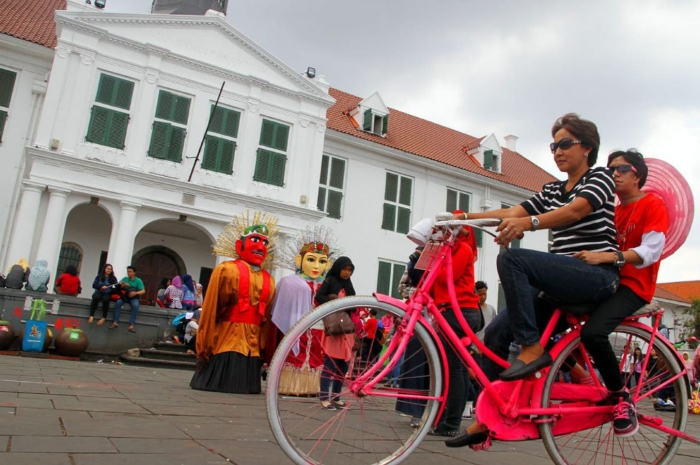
(17,275)
(38,279)
(338,349)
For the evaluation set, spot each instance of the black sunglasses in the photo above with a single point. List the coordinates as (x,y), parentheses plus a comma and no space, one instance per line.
(622,169)
(563,144)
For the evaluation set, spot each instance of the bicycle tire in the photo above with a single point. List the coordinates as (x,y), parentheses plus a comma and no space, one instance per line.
(368,429)
(599,444)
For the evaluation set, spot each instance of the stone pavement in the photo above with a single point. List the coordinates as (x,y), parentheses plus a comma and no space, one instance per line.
(83,413)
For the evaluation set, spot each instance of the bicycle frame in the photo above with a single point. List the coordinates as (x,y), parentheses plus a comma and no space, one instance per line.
(507,397)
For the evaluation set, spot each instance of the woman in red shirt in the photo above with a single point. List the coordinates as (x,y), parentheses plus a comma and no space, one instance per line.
(69,282)
(464,255)
(641,221)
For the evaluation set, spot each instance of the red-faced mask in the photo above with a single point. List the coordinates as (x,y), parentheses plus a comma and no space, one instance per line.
(252,248)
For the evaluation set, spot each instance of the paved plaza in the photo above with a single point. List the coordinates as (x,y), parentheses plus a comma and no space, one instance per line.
(85,413)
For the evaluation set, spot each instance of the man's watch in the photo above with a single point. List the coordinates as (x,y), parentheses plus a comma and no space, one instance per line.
(534,222)
(620,260)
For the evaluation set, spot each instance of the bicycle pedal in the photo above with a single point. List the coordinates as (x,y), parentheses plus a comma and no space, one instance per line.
(486,445)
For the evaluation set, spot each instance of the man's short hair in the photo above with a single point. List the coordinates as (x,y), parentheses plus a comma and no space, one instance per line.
(481,285)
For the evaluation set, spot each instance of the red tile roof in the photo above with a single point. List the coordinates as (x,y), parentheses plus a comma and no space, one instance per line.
(662,293)
(426,139)
(688,290)
(30,20)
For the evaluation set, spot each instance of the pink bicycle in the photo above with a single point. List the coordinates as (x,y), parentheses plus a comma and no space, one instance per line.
(574,428)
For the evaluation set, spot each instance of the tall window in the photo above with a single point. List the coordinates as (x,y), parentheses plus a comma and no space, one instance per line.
(220,145)
(457,200)
(330,190)
(398,192)
(71,254)
(272,159)
(109,116)
(389,277)
(169,126)
(7,84)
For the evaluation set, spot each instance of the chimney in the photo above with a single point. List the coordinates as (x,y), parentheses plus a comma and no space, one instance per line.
(188,7)
(511,142)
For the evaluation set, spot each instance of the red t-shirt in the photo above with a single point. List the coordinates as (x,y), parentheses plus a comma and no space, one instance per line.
(632,221)
(463,275)
(68,284)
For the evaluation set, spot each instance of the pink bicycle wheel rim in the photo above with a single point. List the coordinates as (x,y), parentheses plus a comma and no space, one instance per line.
(667,183)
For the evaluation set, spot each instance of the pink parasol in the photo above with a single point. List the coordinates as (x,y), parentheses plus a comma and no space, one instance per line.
(666,182)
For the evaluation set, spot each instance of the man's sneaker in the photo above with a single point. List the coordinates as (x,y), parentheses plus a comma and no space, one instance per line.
(625,417)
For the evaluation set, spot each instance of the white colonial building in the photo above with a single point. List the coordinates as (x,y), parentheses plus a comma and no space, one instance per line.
(101,121)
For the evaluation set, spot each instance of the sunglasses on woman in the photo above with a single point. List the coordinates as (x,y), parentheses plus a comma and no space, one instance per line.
(563,144)
(622,169)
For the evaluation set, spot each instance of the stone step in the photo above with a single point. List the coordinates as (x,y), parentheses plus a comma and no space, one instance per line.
(170,347)
(158,363)
(167,355)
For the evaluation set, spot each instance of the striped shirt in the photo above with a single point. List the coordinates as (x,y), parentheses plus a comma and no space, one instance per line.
(595,232)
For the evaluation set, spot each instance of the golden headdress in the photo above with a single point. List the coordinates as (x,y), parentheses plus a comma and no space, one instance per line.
(242,225)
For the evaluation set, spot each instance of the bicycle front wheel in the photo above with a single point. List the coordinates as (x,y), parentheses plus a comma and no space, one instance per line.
(566,443)
(319,415)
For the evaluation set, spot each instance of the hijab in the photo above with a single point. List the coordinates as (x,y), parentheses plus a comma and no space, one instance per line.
(39,275)
(187,282)
(335,270)
(177,282)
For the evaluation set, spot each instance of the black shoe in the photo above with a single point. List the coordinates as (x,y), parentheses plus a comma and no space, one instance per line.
(443,430)
(466,439)
(520,370)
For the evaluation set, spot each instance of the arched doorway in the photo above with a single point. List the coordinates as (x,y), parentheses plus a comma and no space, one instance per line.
(152,265)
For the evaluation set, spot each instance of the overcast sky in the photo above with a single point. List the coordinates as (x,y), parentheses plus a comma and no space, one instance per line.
(508,67)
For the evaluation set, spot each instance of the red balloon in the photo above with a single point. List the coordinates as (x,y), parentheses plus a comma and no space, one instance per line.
(666,182)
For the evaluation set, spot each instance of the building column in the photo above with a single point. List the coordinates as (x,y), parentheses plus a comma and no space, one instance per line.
(120,252)
(25,222)
(52,232)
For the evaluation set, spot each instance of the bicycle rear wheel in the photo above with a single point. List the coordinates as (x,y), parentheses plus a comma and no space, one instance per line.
(367,429)
(597,444)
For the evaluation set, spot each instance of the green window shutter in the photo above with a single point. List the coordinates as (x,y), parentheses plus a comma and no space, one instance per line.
(479,237)
(463,202)
(324,171)
(384,278)
(159,140)
(97,129)
(7,83)
(451,204)
(488,159)
(385,124)
(3,118)
(321,201)
(335,201)
(118,123)
(405,191)
(165,105)
(211,151)
(279,162)
(337,173)
(274,135)
(403,222)
(389,217)
(398,270)
(367,123)
(176,144)
(262,165)
(391,189)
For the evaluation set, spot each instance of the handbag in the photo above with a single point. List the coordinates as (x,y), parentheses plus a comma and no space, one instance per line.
(338,323)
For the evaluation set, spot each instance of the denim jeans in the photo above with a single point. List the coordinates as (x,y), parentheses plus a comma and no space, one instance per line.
(564,278)
(134,302)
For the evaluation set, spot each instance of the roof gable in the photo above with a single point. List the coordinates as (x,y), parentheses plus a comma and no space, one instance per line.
(30,21)
(208,40)
(430,140)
